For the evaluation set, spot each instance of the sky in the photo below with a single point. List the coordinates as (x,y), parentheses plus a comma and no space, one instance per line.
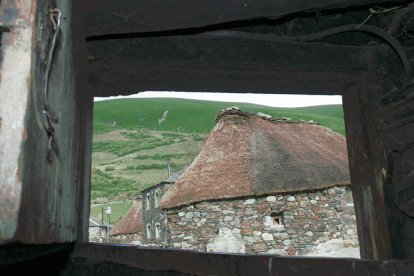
(262,99)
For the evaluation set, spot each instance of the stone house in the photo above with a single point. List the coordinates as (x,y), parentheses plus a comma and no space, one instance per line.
(266,185)
(98,230)
(155,229)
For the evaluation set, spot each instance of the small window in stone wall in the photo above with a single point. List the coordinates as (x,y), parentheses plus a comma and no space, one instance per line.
(277,219)
(157,230)
(148,201)
(156,199)
(148,231)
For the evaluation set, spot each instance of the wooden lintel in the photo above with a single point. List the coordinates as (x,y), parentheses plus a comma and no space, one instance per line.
(105,17)
(97,258)
(224,64)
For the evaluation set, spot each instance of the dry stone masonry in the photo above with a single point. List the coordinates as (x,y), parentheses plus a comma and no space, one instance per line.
(288,224)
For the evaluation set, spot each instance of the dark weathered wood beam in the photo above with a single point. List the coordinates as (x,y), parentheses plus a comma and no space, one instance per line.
(224,64)
(44,200)
(379,122)
(96,259)
(364,153)
(105,17)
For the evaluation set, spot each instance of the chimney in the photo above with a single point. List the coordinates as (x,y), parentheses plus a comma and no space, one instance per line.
(169,168)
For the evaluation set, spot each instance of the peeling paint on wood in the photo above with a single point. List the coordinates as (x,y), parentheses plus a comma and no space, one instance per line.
(46,203)
(15,71)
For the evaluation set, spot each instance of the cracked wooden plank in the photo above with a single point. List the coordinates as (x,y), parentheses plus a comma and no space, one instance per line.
(224,64)
(108,17)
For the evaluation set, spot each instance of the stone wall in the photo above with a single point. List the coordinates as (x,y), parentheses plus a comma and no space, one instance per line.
(98,234)
(289,224)
(154,220)
(134,238)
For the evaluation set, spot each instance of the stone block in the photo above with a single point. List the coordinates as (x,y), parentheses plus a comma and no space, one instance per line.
(257,233)
(228,218)
(226,212)
(267,221)
(280,236)
(291,251)
(260,247)
(309,233)
(291,231)
(271,199)
(280,252)
(249,212)
(249,239)
(225,241)
(267,236)
(246,231)
(249,201)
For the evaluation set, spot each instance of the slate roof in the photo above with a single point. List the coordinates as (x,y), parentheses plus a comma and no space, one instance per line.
(248,154)
(131,222)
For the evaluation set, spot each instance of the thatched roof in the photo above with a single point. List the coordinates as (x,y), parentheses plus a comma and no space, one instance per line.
(247,155)
(131,222)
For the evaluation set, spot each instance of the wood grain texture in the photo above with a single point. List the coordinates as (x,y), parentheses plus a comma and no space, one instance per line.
(367,188)
(210,63)
(379,126)
(108,17)
(53,195)
(97,259)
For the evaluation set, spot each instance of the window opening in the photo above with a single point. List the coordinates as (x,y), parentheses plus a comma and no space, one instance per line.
(145,155)
(156,199)
(148,231)
(277,219)
(157,230)
(148,202)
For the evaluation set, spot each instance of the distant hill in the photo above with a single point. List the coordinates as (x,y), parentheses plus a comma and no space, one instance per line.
(195,116)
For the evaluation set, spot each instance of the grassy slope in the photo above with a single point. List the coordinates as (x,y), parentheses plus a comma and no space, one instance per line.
(126,163)
(193,116)
(118,210)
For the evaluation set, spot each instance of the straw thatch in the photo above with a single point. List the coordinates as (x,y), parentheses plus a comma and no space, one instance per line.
(248,155)
(131,222)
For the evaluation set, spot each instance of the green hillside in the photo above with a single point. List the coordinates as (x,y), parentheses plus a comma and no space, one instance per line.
(193,116)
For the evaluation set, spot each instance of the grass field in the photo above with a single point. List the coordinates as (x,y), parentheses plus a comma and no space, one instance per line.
(125,161)
(131,149)
(194,116)
(118,210)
